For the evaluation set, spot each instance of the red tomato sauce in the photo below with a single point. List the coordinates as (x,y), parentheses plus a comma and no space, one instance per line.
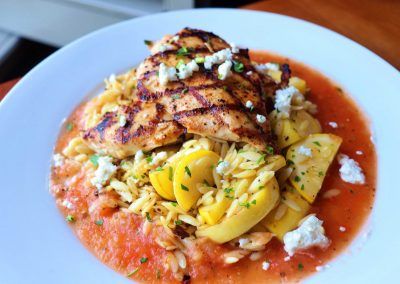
(120,243)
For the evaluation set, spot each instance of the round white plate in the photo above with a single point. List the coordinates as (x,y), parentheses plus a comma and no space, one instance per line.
(37,246)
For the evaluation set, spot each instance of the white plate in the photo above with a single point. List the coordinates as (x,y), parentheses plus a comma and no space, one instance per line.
(36,245)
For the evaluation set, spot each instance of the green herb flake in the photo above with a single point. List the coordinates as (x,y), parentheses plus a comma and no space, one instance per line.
(228,190)
(229,197)
(270,150)
(148,42)
(241,151)
(300,266)
(70,218)
(183,187)
(290,162)
(148,217)
(199,59)
(179,64)
(174,204)
(317,143)
(183,51)
(143,260)
(159,169)
(220,76)
(320,174)
(238,66)
(170,173)
(254,201)
(261,187)
(302,187)
(178,222)
(176,97)
(99,222)
(187,170)
(149,159)
(132,272)
(69,126)
(225,88)
(95,160)
(262,158)
(245,204)
(297,179)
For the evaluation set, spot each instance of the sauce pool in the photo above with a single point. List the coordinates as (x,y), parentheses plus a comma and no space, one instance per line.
(120,243)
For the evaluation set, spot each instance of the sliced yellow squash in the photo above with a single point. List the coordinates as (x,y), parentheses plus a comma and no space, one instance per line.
(261,203)
(309,170)
(212,213)
(304,123)
(191,170)
(286,216)
(161,179)
(286,133)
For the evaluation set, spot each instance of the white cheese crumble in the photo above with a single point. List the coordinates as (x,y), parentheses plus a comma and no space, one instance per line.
(122,121)
(234,48)
(261,118)
(105,170)
(249,105)
(321,267)
(186,70)
(165,46)
(217,58)
(305,151)
(158,158)
(224,70)
(166,74)
(58,160)
(309,234)
(243,241)
(350,170)
(283,99)
(333,124)
(342,229)
(287,258)
(249,73)
(67,204)
(358,152)
(112,79)
(265,265)
(175,38)
(262,68)
(222,167)
(139,156)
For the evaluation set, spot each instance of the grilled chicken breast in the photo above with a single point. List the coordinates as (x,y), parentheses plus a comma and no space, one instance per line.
(233,109)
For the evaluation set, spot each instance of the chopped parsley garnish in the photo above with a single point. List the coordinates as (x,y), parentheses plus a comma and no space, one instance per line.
(261,187)
(95,160)
(174,204)
(99,222)
(148,217)
(317,143)
(183,187)
(300,266)
(70,218)
(183,51)
(199,59)
(229,196)
(245,204)
(302,187)
(241,151)
(270,150)
(159,169)
(238,66)
(132,272)
(148,42)
(220,76)
(187,170)
(149,159)
(262,158)
(178,222)
(225,88)
(144,260)
(303,173)
(175,96)
(254,201)
(185,90)
(170,173)
(179,64)
(297,179)
(228,190)
(69,126)
(289,162)
(320,174)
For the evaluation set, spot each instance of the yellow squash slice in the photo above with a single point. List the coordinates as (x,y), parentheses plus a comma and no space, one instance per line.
(191,170)
(286,216)
(161,179)
(212,213)
(309,171)
(230,228)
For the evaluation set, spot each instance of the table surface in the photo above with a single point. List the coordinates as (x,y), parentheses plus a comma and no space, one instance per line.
(372,23)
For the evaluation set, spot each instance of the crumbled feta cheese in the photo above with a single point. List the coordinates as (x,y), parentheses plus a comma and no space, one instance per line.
(249,73)
(305,151)
(139,156)
(283,99)
(175,38)
(333,124)
(122,121)
(166,74)
(67,204)
(321,267)
(158,158)
(58,160)
(287,258)
(186,70)
(263,68)
(112,79)
(105,170)
(350,170)
(265,265)
(249,105)
(359,152)
(217,58)
(261,118)
(342,229)
(243,242)
(224,70)
(164,47)
(222,167)
(234,48)
(309,234)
